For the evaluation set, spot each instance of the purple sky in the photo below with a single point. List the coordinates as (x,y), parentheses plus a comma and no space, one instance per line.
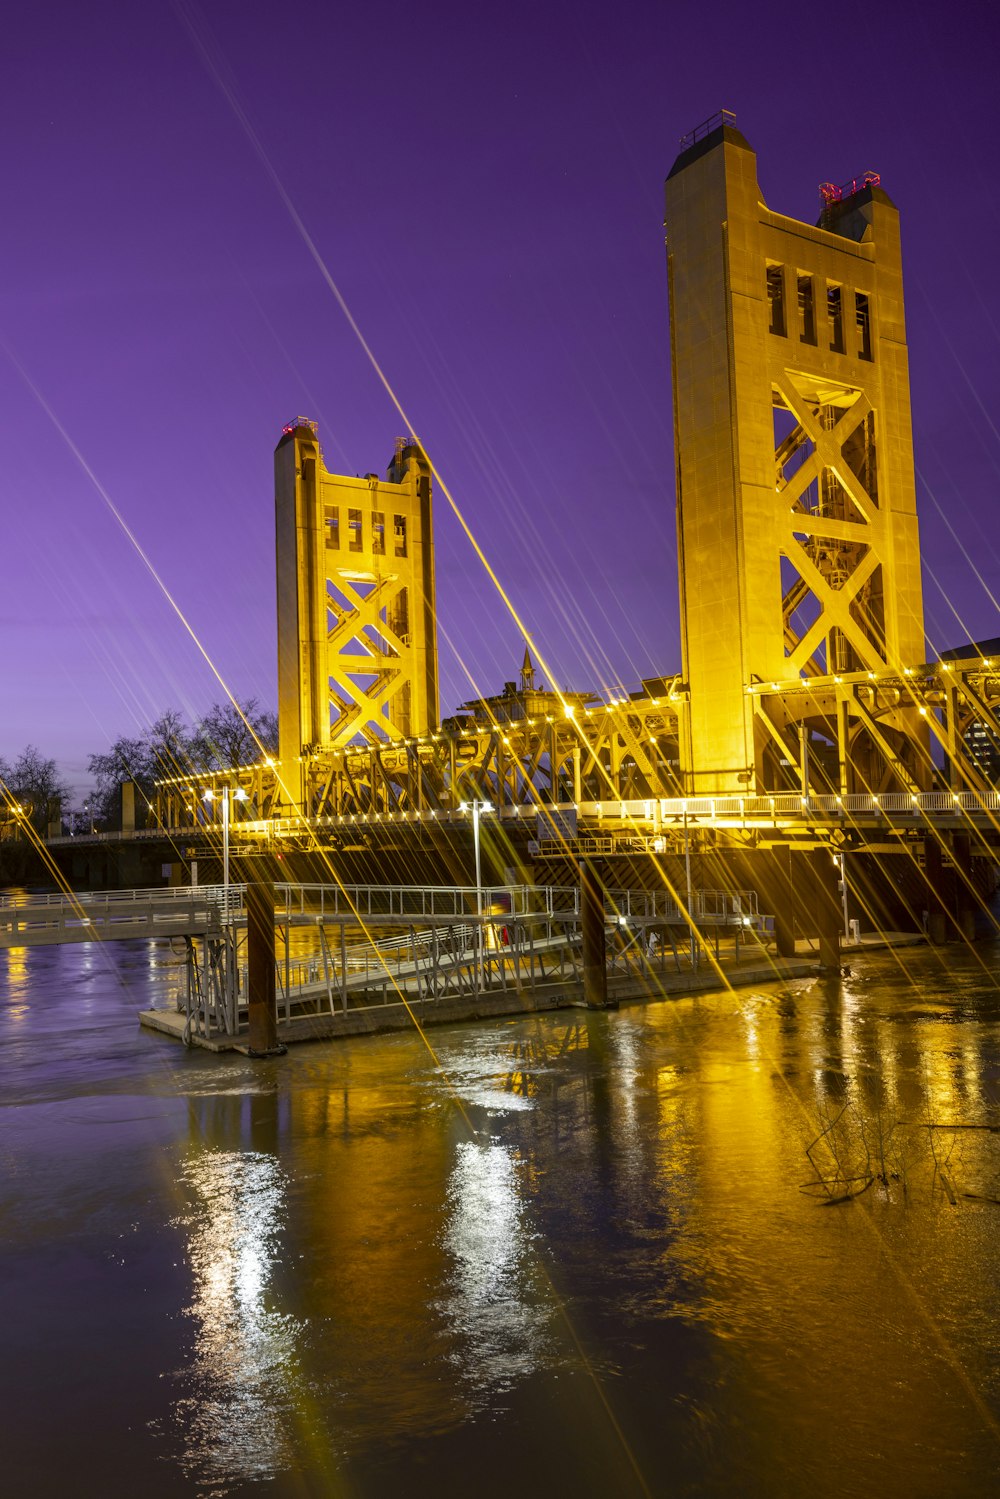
(485,185)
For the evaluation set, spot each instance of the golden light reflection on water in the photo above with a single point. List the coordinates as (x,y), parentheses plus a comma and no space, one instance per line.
(493,1300)
(16,982)
(237,1419)
(841,1299)
(655,1164)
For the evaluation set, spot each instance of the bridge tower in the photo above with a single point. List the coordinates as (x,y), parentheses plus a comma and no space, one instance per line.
(796,511)
(357,636)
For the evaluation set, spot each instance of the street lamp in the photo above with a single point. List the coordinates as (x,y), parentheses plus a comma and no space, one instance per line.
(477,808)
(690,896)
(238,795)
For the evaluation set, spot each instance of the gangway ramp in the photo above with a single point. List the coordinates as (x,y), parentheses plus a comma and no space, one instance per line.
(42,920)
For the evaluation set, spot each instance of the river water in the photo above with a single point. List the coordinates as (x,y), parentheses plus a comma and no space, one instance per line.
(591,1254)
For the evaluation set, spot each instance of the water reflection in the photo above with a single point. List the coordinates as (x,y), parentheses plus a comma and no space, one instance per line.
(363,1292)
(236,1418)
(14,976)
(494,1303)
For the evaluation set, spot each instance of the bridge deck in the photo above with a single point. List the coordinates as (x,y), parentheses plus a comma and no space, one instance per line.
(867,815)
(46,920)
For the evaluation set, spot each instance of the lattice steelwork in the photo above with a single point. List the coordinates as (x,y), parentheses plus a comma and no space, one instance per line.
(799,558)
(802,621)
(357,652)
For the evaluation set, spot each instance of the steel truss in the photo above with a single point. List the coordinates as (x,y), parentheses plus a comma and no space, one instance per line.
(869,733)
(622,751)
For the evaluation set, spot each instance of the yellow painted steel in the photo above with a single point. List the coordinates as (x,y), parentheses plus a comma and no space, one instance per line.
(802,621)
(357,636)
(796,511)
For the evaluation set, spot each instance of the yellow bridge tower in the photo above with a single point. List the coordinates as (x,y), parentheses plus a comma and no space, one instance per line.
(797,528)
(357,639)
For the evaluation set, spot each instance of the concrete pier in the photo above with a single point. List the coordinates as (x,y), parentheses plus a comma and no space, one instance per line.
(595,972)
(262,1002)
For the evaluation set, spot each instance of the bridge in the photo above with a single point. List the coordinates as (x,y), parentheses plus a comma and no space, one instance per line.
(342,949)
(804,718)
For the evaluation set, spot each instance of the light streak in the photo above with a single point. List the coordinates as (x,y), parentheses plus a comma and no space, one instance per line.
(958,542)
(228,91)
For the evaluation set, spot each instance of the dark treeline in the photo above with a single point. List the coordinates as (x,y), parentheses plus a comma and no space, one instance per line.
(30,785)
(225,737)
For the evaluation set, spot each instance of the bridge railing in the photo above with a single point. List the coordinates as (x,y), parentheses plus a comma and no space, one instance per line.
(794,806)
(414,901)
(162,894)
(27,919)
(706,905)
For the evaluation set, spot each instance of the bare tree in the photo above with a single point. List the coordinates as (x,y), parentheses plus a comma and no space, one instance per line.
(225,737)
(165,750)
(231,735)
(33,783)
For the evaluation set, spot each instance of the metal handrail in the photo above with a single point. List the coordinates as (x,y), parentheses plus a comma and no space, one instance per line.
(99,898)
(409,901)
(721,117)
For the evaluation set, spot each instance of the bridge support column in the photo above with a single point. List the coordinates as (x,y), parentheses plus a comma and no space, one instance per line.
(934,875)
(595,959)
(827,909)
(965,899)
(263,1009)
(769,873)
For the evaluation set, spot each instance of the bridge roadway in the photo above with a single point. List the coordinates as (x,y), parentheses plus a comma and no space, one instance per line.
(870,818)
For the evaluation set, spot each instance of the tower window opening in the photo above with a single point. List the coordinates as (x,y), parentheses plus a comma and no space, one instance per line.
(399,531)
(354,527)
(378,532)
(835,316)
(862,315)
(807,311)
(333,527)
(776,299)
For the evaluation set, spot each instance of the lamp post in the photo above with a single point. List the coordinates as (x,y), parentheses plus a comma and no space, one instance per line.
(477,807)
(687,877)
(843,895)
(238,795)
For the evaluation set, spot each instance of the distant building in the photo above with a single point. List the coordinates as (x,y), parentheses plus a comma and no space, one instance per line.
(519,702)
(981,737)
